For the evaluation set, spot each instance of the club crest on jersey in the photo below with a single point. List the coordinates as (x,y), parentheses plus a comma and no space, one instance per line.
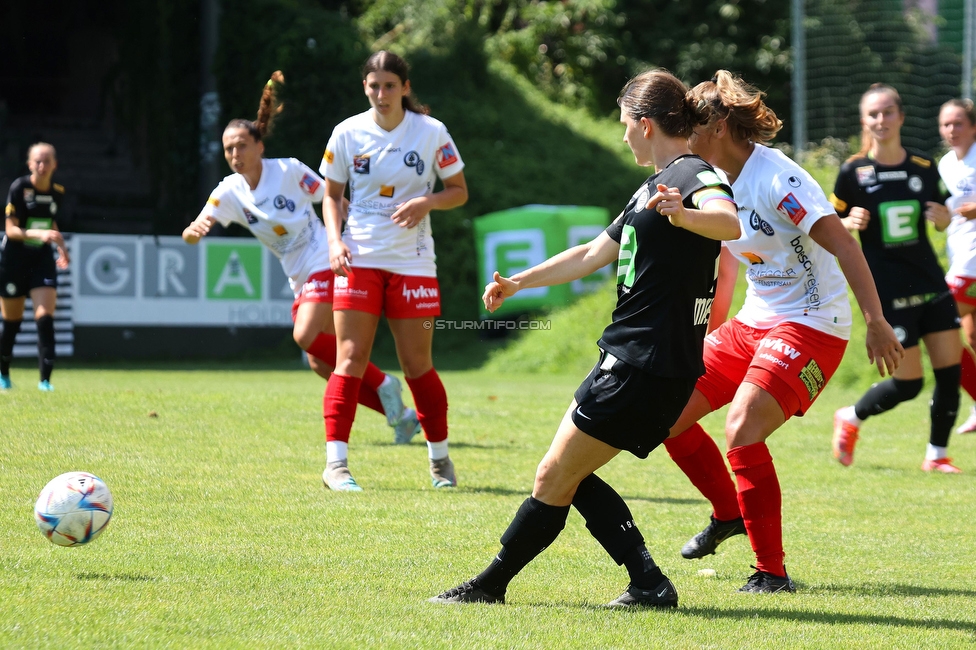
(360,164)
(792,208)
(865,175)
(28,195)
(915,184)
(386,191)
(446,156)
(281,202)
(758,223)
(643,196)
(412,159)
(251,219)
(309,183)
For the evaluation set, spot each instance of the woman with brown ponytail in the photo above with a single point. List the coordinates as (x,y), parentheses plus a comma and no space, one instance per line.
(773,359)
(273,199)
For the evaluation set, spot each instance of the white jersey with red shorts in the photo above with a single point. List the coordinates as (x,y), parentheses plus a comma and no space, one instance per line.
(959,177)
(384,169)
(791,333)
(280,215)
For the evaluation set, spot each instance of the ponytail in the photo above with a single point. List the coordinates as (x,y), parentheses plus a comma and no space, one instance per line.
(268,109)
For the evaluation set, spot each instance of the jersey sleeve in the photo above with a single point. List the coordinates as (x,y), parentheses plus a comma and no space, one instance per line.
(796,196)
(220,206)
(842,195)
(15,201)
(447,156)
(335,159)
(309,182)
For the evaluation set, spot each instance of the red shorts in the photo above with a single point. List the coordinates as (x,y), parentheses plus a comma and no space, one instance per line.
(316,288)
(963,289)
(791,362)
(399,296)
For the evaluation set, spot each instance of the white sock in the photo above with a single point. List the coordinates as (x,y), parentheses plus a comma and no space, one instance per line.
(847,413)
(935,453)
(336,450)
(437,450)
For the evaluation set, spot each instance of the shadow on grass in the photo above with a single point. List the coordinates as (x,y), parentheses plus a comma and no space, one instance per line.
(883,589)
(115,577)
(836,618)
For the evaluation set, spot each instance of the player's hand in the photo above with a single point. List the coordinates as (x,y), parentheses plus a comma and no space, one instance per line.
(497,290)
(668,201)
(883,347)
(967,210)
(197,229)
(52,237)
(340,258)
(857,218)
(410,213)
(63,259)
(938,214)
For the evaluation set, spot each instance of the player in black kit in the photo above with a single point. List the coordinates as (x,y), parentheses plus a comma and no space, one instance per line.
(887,194)
(666,243)
(27,262)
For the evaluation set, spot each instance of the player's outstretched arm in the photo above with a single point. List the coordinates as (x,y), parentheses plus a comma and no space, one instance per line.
(571,264)
(198,229)
(882,345)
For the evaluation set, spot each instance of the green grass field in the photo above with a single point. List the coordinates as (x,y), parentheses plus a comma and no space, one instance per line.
(223,535)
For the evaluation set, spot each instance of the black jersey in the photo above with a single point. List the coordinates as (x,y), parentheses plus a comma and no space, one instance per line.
(895,242)
(665,278)
(32,209)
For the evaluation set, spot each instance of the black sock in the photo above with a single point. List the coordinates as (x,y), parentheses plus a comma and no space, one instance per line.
(609,520)
(10,330)
(886,395)
(945,404)
(45,346)
(535,526)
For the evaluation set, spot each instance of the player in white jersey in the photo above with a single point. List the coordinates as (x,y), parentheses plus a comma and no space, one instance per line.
(273,199)
(390,157)
(773,359)
(957,125)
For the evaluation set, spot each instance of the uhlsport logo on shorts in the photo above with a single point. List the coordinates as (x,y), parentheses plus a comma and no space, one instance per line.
(234,271)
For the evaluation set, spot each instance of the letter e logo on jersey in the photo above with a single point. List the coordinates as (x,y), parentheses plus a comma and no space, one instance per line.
(446,156)
(792,208)
(309,184)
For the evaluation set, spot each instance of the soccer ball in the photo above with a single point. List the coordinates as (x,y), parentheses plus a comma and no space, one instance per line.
(73,508)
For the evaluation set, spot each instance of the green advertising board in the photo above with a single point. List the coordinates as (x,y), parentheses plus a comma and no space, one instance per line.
(514,240)
(234,271)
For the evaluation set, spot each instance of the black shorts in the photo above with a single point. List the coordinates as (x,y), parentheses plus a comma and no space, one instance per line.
(629,409)
(19,274)
(914,317)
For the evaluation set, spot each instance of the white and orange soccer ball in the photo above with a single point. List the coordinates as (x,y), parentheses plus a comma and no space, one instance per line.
(73,508)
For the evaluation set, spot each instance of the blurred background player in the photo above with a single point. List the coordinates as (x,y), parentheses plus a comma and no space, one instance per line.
(773,359)
(957,126)
(651,353)
(273,199)
(887,194)
(27,262)
(390,156)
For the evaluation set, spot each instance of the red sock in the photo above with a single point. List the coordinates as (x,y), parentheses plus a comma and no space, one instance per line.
(699,458)
(324,349)
(430,399)
(968,377)
(761,503)
(339,406)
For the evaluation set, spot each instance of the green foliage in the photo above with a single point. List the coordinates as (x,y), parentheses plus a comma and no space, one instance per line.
(224,537)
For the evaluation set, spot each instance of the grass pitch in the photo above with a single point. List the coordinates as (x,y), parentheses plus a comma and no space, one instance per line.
(223,535)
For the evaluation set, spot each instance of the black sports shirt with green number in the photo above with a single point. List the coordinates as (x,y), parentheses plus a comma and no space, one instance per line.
(895,242)
(32,209)
(665,278)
